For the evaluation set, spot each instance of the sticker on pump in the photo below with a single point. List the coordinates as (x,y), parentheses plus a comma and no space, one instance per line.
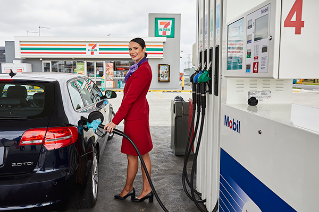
(255,67)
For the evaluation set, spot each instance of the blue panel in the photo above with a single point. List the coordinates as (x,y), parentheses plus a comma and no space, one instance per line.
(239,189)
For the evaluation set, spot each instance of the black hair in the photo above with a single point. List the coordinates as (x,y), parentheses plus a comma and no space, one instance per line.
(141,42)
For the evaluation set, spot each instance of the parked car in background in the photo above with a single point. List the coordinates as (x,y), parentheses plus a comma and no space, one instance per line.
(48,156)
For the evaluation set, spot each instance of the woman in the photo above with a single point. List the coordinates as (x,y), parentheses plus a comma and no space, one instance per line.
(134,110)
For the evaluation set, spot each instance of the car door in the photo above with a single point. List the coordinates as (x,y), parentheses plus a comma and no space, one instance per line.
(87,98)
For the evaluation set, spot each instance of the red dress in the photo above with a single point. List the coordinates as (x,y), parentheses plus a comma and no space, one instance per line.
(134,110)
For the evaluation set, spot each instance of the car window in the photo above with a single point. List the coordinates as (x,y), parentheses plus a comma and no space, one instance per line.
(87,89)
(27,99)
(96,93)
(75,95)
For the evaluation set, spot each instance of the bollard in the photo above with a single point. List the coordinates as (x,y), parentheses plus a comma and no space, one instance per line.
(182,82)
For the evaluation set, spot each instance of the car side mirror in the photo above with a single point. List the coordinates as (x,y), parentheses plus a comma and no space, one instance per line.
(110,94)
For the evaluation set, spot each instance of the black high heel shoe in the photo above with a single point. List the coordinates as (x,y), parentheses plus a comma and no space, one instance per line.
(148,196)
(131,193)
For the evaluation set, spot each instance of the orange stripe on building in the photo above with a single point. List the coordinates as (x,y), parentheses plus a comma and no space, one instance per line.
(112,45)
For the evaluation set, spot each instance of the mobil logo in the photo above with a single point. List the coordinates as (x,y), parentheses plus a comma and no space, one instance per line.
(233,124)
(264,10)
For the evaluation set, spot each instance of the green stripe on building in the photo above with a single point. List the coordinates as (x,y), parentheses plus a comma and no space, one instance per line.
(154,49)
(113,49)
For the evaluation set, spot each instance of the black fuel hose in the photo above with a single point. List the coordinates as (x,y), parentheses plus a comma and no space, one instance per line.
(195,161)
(202,88)
(190,144)
(188,149)
(120,133)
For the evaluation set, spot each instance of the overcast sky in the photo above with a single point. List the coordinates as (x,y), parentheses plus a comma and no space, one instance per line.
(89,18)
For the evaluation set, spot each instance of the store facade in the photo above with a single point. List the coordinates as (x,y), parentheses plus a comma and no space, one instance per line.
(105,60)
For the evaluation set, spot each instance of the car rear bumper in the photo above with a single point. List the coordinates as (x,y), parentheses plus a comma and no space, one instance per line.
(40,189)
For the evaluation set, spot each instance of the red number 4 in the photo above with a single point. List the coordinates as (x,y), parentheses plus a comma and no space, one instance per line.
(296,8)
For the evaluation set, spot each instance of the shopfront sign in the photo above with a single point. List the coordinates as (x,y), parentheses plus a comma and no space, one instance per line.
(92,49)
(89,49)
(165,27)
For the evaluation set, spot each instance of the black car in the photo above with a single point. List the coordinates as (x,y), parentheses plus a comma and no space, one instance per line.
(48,154)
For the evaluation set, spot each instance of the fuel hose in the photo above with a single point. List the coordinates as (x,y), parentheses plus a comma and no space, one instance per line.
(120,133)
(189,146)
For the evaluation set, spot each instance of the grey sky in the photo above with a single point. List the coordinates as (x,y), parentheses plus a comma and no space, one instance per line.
(89,18)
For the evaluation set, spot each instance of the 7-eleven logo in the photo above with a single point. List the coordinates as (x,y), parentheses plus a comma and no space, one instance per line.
(165,27)
(92,48)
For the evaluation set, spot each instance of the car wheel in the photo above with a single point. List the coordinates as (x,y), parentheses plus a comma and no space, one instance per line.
(91,190)
(111,134)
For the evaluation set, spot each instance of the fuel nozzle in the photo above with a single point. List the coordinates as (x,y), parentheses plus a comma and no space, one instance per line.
(198,87)
(193,90)
(203,79)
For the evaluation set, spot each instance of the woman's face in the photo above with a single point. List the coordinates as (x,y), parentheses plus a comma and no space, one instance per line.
(136,51)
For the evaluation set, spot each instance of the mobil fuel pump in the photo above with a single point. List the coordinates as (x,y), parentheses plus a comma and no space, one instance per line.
(257,150)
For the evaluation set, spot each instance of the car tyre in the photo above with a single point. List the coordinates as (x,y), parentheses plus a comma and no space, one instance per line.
(91,190)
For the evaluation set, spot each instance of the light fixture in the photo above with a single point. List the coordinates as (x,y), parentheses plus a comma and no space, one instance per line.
(30,32)
(40,58)
(43,28)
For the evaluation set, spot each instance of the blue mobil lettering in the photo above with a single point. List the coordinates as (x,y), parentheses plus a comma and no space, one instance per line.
(264,10)
(232,124)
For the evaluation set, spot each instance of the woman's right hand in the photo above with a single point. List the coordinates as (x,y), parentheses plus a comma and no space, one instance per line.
(109,127)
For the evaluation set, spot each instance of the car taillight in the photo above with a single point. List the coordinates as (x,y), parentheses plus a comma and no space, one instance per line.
(33,137)
(58,137)
(6,80)
(52,138)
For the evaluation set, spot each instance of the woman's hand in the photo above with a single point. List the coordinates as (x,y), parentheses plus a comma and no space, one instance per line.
(109,127)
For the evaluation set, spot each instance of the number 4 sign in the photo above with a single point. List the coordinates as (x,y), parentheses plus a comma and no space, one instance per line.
(296,9)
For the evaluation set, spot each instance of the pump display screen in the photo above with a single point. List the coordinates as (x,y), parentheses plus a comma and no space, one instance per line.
(261,28)
(235,40)
(257,41)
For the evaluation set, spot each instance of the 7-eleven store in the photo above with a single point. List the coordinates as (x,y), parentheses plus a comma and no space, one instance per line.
(105,60)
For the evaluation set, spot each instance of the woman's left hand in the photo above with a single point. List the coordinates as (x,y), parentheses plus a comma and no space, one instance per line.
(109,127)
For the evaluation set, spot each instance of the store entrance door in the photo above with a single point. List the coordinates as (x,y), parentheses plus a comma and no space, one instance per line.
(99,74)
(90,67)
(46,66)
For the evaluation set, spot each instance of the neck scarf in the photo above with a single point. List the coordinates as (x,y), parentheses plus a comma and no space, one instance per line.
(133,68)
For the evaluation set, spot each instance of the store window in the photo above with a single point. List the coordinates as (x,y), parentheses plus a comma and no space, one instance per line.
(99,73)
(46,66)
(63,66)
(90,69)
(121,69)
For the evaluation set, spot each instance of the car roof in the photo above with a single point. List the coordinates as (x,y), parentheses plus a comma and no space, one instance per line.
(42,76)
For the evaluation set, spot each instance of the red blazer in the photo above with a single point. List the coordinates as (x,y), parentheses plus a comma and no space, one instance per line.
(134,105)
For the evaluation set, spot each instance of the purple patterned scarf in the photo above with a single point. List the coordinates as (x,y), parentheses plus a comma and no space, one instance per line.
(133,68)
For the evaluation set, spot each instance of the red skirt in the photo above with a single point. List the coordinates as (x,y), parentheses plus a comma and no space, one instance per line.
(139,133)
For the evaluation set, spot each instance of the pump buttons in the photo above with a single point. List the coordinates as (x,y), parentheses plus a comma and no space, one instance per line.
(252,101)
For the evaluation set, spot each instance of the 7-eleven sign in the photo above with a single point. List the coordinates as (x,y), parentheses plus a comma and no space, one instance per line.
(92,48)
(165,27)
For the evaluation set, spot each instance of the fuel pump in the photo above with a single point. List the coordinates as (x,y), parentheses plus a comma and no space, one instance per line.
(199,85)
(253,152)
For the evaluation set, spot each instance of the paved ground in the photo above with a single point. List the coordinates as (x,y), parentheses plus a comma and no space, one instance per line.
(166,167)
